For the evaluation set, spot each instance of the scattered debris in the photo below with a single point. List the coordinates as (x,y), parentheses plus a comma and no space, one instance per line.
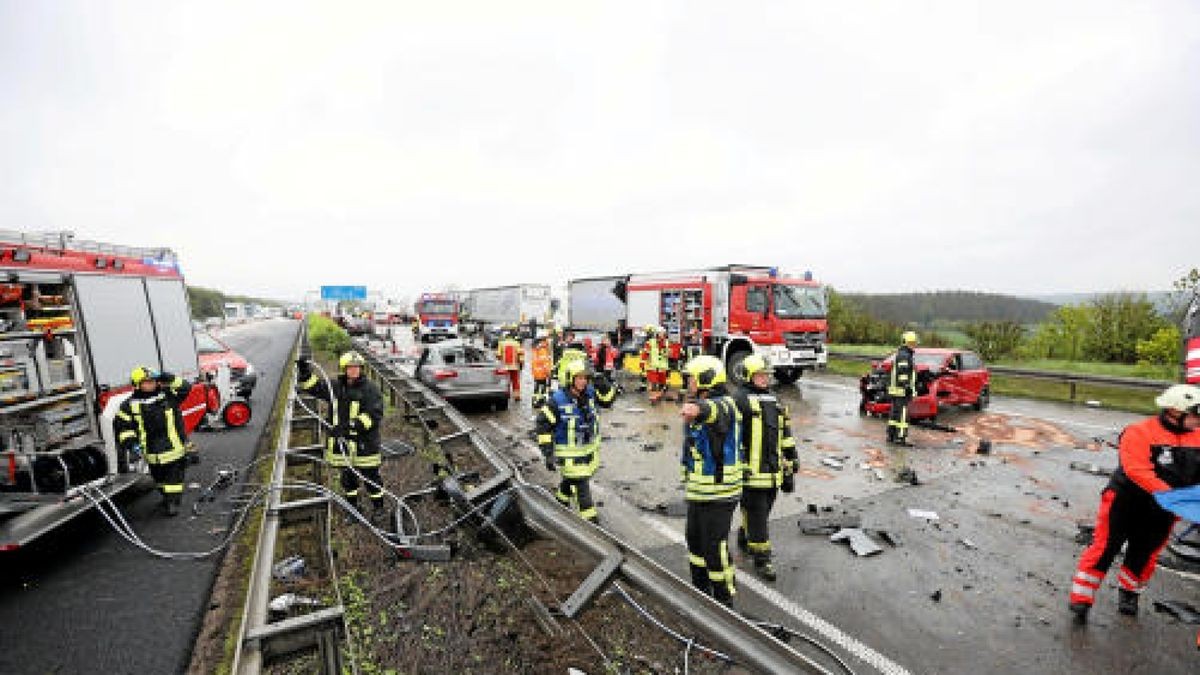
(284,603)
(921,513)
(887,537)
(812,508)
(860,542)
(1092,468)
(969,544)
(616,425)
(907,475)
(288,569)
(832,463)
(828,524)
(1180,610)
(936,596)
(878,474)
(651,447)
(984,447)
(635,410)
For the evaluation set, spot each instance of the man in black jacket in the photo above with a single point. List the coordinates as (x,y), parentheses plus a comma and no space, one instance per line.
(149,424)
(902,386)
(356,412)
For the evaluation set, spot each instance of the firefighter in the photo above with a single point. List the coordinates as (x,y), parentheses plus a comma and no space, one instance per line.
(656,365)
(712,474)
(568,433)
(1156,454)
(512,356)
(771,460)
(540,366)
(149,424)
(356,412)
(901,388)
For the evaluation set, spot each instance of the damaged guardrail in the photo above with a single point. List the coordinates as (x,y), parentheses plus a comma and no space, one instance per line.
(741,640)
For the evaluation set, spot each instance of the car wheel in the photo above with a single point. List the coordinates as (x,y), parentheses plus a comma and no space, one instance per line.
(501,404)
(985,399)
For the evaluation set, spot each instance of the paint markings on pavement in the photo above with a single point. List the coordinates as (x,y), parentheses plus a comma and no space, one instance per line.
(827,630)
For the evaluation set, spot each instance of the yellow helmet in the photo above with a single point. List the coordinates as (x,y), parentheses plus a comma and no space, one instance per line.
(650,328)
(751,365)
(708,371)
(909,337)
(351,359)
(140,374)
(572,365)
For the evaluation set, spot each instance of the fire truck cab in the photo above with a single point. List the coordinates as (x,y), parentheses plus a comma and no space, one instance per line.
(75,318)
(437,316)
(734,311)
(1191,341)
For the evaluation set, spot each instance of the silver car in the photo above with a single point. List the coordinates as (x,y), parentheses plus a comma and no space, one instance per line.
(462,372)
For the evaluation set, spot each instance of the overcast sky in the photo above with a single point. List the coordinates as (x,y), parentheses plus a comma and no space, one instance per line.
(1009,146)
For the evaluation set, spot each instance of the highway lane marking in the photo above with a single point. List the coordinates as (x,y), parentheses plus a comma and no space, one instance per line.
(1054,420)
(827,630)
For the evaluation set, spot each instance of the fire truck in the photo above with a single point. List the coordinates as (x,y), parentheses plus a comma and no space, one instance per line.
(729,312)
(1191,341)
(75,318)
(437,316)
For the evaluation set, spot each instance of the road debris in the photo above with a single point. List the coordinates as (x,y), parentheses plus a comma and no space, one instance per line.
(879,475)
(969,544)
(832,463)
(651,447)
(284,603)
(290,568)
(828,524)
(1092,468)
(860,542)
(936,596)
(635,410)
(984,447)
(921,513)
(907,475)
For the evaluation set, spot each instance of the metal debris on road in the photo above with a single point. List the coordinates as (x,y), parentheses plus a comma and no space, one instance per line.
(832,463)
(287,601)
(635,410)
(651,447)
(907,475)
(1092,468)
(969,544)
(288,569)
(828,524)
(984,447)
(860,542)
(921,513)
(936,596)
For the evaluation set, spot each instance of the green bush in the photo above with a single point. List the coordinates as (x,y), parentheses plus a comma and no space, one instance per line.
(326,336)
(1162,348)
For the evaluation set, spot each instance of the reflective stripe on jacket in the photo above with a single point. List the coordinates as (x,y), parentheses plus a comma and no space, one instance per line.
(357,410)
(767,434)
(902,381)
(155,422)
(569,427)
(712,451)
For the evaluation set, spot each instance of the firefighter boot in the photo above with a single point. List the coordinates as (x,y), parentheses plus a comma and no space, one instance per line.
(742,542)
(700,579)
(764,568)
(1127,602)
(1080,610)
(379,512)
(172,504)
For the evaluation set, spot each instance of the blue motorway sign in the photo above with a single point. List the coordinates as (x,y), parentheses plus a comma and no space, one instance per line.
(343,292)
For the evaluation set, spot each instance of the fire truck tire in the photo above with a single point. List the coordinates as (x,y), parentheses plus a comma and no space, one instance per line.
(788,375)
(236,414)
(985,398)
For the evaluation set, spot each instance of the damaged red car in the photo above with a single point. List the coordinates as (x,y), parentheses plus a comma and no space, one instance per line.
(945,378)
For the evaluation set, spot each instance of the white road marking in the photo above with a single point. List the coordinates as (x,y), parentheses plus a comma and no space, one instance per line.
(827,630)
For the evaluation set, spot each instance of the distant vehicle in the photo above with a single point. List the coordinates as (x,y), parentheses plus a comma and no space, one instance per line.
(461,372)
(212,322)
(437,314)
(945,378)
(213,353)
(507,305)
(236,312)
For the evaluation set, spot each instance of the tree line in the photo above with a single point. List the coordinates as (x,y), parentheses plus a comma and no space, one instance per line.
(208,302)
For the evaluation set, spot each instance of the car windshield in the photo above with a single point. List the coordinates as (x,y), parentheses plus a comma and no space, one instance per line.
(431,307)
(207,344)
(930,360)
(799,302)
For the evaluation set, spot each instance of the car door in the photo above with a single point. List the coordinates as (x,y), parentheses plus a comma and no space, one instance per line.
(974,376)
(485,371)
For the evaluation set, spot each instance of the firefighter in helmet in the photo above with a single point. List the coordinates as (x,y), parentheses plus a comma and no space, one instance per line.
(902,386)
(1157,454)
(712,473)
(150,424)
(355,414)
(512,358)
(568,432)
(771,460)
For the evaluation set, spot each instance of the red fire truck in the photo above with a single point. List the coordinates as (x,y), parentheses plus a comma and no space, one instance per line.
(75,318)
(437,316)
(1191,341)
(729,312)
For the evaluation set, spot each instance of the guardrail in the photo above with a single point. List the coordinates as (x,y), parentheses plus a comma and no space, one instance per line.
(1073,379)
(742,640)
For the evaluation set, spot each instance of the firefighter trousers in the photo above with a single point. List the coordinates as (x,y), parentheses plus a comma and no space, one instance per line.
(1127,517)
(707,537)
(169,477)
(897,430)
(541,390)
(577,493)
(756,513)
(514,378)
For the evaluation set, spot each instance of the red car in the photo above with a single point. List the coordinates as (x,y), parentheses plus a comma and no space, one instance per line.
(945,377)
(213,353)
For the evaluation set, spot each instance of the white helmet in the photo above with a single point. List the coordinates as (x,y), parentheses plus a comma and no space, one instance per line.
(1181,397)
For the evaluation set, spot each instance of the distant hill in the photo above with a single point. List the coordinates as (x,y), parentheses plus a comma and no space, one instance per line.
(926,308)
(1161,299)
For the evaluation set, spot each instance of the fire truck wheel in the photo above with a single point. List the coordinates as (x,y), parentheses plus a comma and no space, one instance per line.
(236,414)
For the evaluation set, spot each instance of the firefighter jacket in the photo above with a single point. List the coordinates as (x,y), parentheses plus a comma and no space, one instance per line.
(568,427)
(541,365)
(1155,456)
(656,355)
(355,411)
(712,461)
(903,379)
(770,449)
(153,420)
(510,353)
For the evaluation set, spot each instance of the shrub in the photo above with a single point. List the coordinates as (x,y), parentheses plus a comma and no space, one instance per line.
(326,336)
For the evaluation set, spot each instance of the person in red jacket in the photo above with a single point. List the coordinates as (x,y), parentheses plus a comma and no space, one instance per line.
(1157,454)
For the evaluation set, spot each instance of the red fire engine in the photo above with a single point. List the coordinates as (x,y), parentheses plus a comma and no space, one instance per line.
(1191,342)
(437,315)
(75,318)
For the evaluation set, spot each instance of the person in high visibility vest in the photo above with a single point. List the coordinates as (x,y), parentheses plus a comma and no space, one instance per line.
(512,356)
(149,424)
(902,386)
(353,440)
(712,466)
(540,366)
(1157,455)
(771,460)
(568,433)
(656,364)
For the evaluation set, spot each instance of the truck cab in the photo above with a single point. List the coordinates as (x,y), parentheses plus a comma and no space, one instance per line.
(785,320)
(437,314)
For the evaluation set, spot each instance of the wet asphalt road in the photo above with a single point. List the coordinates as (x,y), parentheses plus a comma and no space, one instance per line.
(82,600)
(998,559)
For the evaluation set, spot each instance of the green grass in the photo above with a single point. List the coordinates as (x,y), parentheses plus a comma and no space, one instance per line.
(1166,373)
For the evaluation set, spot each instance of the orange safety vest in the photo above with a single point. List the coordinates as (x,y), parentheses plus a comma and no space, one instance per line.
(541,362)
